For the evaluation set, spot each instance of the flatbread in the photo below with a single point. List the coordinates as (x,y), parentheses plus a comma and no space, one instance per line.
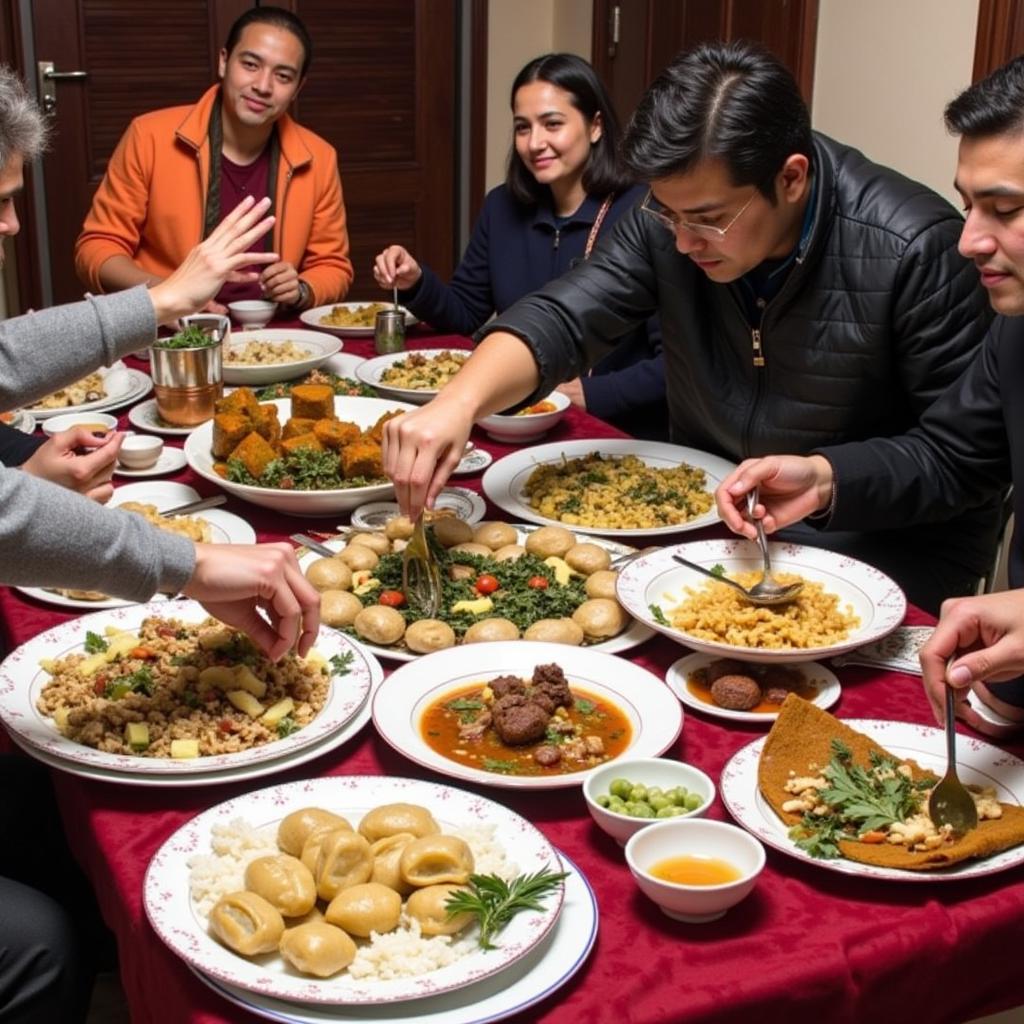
(802,735)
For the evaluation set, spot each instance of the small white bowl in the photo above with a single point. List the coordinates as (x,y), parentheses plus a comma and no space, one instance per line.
(252,312)
(646,771)
(694,904)
(97,421)
(526,426)
(140,451)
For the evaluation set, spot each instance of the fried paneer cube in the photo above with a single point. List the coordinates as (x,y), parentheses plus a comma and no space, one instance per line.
(229,430)
(362,458)
(313,401)
(296,426)
(377,430)
(255,454)
(308,441)
(267,424)
(336,434)
(241,400)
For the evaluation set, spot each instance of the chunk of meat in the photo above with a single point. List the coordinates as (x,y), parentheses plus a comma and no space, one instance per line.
(471,731)
(518,721)
(550,681)
(547,755)
(725,667)
(736,692)
(502,686)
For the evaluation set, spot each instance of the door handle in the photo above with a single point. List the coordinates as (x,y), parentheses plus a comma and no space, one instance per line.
(47,78)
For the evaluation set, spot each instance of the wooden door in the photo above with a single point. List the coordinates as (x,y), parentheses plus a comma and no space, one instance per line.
(635,39)
(381,91)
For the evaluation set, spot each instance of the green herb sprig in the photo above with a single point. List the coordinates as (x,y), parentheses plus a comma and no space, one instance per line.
(341,664)
(94,643)
(191,337)
(494,902)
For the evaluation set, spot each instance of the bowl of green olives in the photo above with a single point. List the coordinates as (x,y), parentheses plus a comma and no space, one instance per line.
(626,794)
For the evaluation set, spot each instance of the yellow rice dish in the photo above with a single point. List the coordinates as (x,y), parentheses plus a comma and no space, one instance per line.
(418,372)
(618,493)
(720,614)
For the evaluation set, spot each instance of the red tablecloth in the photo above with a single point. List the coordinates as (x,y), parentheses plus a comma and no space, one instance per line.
(807,944)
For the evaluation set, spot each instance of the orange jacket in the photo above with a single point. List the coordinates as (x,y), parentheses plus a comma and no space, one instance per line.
(150,204)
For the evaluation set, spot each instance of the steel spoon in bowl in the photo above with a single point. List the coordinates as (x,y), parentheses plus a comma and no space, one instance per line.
(767,590)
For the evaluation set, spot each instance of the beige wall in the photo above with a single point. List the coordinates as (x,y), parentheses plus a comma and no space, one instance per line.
(884,71)
(517,31)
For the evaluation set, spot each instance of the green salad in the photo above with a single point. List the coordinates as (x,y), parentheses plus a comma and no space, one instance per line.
(191,337)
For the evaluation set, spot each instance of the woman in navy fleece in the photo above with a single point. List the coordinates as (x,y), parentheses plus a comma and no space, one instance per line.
(563,190)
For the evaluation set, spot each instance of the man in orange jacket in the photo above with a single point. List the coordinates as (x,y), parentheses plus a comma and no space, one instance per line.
(176,172)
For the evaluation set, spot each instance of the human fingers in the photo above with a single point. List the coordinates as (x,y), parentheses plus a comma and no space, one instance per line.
(277,272)
(731,501)
(243,614)
(101,493)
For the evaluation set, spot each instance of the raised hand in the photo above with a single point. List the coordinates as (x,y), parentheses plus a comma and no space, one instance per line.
(395,267)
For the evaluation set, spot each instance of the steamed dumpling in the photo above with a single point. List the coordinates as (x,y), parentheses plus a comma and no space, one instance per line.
(387,856)
(284,882)
(343,859)
(436,859)
(246,923)
(389,819)
(317,948)
(427,906)
(361,909)
(298,826)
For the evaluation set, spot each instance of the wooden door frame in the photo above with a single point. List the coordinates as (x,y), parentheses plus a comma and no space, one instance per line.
(1000,35)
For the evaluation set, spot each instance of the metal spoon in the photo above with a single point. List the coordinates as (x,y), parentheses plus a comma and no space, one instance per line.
(767,590)
(950,802)
(195,506)
(748,594)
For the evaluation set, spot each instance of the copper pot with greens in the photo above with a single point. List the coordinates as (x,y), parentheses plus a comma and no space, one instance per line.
(187,370)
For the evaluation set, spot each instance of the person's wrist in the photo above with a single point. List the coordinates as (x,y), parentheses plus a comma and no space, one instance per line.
(824,485)
(305,299)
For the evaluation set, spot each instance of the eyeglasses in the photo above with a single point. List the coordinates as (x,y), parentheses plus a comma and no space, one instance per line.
(672,222)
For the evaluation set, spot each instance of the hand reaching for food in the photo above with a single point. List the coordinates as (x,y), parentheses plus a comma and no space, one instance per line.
(396,268)
(79,460)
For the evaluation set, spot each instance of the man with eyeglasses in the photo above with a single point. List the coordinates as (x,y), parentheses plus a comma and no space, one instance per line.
(807,297)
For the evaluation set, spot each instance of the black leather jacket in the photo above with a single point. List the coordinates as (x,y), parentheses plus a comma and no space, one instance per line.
(878,315)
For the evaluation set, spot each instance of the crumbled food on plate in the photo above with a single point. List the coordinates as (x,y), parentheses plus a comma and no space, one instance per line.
(420,372)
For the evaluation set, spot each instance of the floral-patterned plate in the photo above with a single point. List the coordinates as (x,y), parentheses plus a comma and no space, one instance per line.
(179,923)
(977,762)
(22,680)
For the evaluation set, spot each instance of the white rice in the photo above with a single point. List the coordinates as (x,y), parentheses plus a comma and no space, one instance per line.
(403,953)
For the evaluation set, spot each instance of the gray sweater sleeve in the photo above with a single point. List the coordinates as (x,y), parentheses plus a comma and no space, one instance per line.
(50,536)
(53,537)
(43,351)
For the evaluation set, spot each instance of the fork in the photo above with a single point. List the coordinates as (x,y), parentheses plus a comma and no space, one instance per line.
(421,575)
(950,802)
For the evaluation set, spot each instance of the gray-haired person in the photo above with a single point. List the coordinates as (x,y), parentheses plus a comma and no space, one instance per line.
(52,536)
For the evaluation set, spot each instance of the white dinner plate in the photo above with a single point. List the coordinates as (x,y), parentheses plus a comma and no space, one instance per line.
(218,778)
(475,460)
(824,681)
(467,505)
(505,482)
(977,763)
(524,984)
(314,318)
(372,370)
(170,461)
(22,681)
(344,364)
(145,417)
(363,411)
(657,581)
(225,528)
(131,385)
(23,420)
(632,636)
(404,697)
(181,926)
(319,346)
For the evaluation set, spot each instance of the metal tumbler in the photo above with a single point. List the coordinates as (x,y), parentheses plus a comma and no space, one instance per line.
(389,331)
(187,381)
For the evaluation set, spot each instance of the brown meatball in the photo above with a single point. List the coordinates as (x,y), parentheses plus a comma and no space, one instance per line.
(736,692)
(725,667)
(518,721)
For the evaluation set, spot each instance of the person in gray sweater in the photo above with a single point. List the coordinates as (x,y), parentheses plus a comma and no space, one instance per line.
(51,535)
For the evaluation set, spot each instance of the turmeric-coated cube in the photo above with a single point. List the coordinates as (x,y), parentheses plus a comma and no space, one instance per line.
(294,426)
(336,433)
(293,444)
(362,458)
(241,400)
(313,401)
(255,454)
(229,429)
(377,430)
(268,426)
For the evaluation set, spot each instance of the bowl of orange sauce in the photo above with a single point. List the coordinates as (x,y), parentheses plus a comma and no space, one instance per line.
(528,424)
(695,869)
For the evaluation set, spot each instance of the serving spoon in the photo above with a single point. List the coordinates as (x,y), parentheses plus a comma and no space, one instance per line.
(950,802)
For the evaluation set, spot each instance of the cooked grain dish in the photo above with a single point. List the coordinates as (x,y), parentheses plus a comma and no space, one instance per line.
(424,373)
(264,353)
(617,493)
(364,316)
(201,684)
(719,613)
(88,389)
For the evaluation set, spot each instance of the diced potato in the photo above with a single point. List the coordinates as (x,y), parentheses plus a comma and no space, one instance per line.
(182,750)
(87,666)
(120,645)
(277,711)
(48,665)
(214,639)
(136,735)
(60,719)
(246,703)
(221,676)
(363,581)
(245,679)
(563,571)
(477,607)
(315,659)
(112,630)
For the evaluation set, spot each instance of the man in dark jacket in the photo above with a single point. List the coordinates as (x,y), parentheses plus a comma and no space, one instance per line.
(807,296)
(970,441)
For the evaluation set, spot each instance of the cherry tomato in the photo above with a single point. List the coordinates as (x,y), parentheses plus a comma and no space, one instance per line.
(225,725)
(99,686)
(538,582)
(391,598)
(486,584)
